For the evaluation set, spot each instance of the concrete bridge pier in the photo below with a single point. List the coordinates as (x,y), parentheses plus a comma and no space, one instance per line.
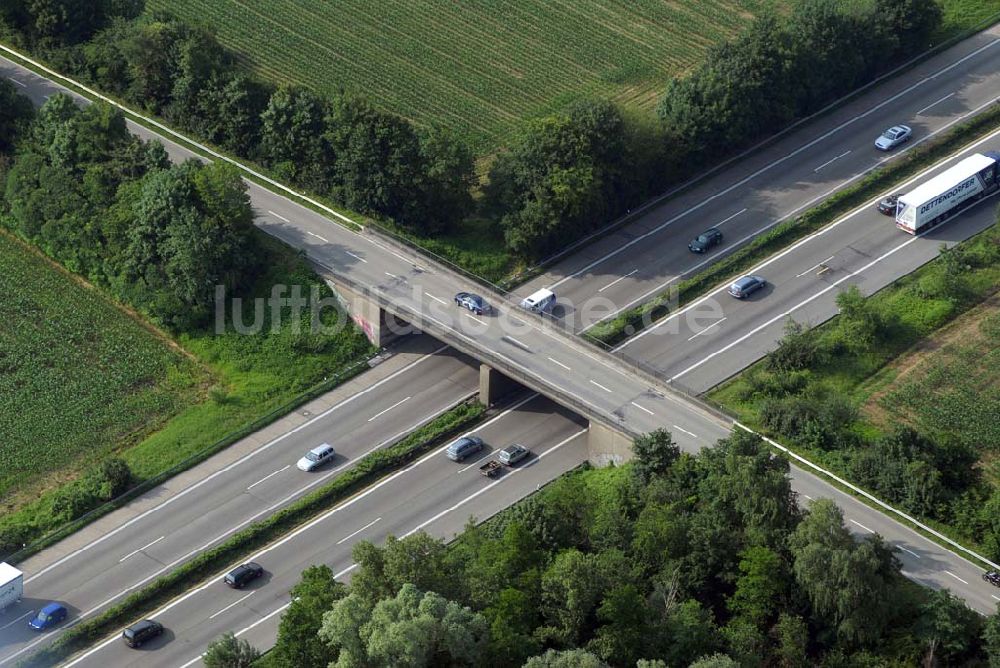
(494,386)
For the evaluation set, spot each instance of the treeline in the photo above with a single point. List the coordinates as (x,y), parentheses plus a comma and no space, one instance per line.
(674,560)
(563,176)
(107,206)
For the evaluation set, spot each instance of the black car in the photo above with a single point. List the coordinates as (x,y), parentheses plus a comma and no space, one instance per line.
(239,576)
(141,632)
(993,577)
(705,240)
(887,205)
(473,302)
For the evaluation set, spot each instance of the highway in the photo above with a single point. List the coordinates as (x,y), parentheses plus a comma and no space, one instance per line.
(754,193)
(550,362)
(248,481)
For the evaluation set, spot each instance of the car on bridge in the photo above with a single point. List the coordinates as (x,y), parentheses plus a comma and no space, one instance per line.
(705,240)
(893,137)
(473,302)
(746,286)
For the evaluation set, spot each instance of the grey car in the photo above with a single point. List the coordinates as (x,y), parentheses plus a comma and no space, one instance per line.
(512,454)
(893,137)
(746,286)
(464,447)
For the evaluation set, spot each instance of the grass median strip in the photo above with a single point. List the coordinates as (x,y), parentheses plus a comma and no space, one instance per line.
(367,471)
(880,180)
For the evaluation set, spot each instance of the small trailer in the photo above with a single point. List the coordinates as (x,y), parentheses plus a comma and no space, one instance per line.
(491,469)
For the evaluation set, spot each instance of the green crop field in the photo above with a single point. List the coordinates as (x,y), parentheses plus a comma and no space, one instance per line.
(77,375)
(477,66)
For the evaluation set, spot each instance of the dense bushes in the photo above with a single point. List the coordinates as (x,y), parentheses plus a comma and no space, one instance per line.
(106,205)
(680,561)
(564,176)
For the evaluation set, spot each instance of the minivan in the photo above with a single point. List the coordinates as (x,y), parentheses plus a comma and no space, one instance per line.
(463,447)
(141,632)
(243,574)
(539,301)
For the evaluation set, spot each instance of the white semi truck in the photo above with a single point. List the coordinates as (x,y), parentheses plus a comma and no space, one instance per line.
(11,585)
(947,193)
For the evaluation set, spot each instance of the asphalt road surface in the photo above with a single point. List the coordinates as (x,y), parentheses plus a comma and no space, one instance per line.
(756,192)
(596,384)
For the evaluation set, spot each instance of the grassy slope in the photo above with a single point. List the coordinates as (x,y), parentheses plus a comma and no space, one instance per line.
(478,67)
(169,405)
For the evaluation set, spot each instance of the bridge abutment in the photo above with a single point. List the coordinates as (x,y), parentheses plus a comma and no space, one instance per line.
(494,386)
(381,327)
(606,446)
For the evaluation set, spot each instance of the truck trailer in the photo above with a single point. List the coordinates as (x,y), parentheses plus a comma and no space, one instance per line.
(11,585)
(947,193)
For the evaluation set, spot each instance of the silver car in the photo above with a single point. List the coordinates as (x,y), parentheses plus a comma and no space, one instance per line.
(893,137)
(512,454)
(316,457)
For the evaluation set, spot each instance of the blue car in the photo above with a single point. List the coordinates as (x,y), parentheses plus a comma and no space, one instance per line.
(47,617)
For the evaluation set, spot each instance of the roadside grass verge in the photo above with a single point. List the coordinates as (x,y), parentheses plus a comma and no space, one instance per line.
(212,562)
(632,321)
(914,311)
(237,384)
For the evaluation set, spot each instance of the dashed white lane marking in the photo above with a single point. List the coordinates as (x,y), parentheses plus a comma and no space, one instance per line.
(708,328)
(437,299)
(682,429)
(356,257)
(269,475)
(22,86)
(367,526)
(832,160)
(956,577)
(381,413)
(808,497)
(278,216)
(934,103)
(391,275)
(313,234)
(723,222)
(27,614)
(642,408)
(620,278)
(908,551)
(232,605)
(132,554)
(995,596)
(482,322)
(862,526)
(815,266)
(594,382)
(555,361)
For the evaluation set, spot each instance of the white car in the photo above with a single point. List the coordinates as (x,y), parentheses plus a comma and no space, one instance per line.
(316,457)
(893,137)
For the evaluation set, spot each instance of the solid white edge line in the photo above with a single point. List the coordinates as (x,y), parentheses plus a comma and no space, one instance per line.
(232,605)
(846,217)
(881,504)
(767,167)
(236,463)
(350,502)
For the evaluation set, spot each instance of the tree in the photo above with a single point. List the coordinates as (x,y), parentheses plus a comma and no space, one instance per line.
(418,559)
(761,588)
(292,139)
(513,618)
(571,658)
(850,584)
(912,23)
(298,641)
(116,477)
(411,630)
(227,651)
(625,615)
(690,633)
(991,639)
(859,324)
(798,349)
(792,637)
(948,629)
(715,661)
(654,454)
(449,173)
(16,112)
(571,590)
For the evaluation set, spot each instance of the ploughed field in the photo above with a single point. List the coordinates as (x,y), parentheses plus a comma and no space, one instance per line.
(477,67)
(77,375)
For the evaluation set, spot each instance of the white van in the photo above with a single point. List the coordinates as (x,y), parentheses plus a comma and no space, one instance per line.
(539,301)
